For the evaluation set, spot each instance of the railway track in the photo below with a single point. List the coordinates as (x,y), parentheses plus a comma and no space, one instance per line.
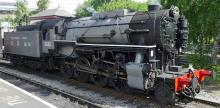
(215,104)
(56,91)
(86,102)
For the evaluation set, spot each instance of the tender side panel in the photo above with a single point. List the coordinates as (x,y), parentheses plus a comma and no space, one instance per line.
(24,43)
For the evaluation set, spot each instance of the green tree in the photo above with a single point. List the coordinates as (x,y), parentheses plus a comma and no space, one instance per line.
(82,10)
(98,3)
(123,4)
(42,5)
(108,5)
(21,14)
(11,20)
(87,8)
(203,15)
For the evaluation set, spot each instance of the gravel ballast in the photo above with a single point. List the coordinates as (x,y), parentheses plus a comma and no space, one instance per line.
(105,101)
(48,96)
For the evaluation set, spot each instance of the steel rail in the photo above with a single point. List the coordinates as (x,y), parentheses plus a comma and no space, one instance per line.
(55,90)
(86,102)
(211,103)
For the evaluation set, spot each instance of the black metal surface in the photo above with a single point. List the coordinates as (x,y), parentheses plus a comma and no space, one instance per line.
(46,24)
(28,28)
(162,29)
(49,24)
(154,7)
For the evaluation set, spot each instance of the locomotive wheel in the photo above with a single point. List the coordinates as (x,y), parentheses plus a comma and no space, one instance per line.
(119,84)
(17,62)
(67,70)
(198,89)
(81,76)
(100,81)
(164,93)
(78,74)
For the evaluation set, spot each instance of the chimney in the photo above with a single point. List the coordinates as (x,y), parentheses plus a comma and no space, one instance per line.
(155,5)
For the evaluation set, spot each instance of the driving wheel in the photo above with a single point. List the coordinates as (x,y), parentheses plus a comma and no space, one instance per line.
(78,73)
(67,70)
(99,80)
(164,93)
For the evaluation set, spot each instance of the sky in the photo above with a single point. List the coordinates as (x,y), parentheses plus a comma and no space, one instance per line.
(68,5)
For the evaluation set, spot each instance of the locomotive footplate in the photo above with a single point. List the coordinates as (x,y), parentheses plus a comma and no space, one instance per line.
(185,80)
(104,46)
(185,83)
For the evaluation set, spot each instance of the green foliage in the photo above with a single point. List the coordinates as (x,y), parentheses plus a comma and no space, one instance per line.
(21,13)
(82,11)
(200,56)
(20,16)
(200,61)
(85,9)
(11,20)
(109,5)
(98,3)
(123,4)
(42,5)
(203,15)
(217,70)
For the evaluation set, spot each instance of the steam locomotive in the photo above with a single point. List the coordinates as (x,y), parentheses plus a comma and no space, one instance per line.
(123,49)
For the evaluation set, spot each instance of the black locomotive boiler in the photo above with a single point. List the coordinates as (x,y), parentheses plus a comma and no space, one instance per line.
(123,49)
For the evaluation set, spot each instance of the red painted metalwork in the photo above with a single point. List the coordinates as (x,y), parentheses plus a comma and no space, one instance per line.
(185,79)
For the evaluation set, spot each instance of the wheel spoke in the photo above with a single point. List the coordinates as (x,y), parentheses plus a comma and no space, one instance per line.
(79,75)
